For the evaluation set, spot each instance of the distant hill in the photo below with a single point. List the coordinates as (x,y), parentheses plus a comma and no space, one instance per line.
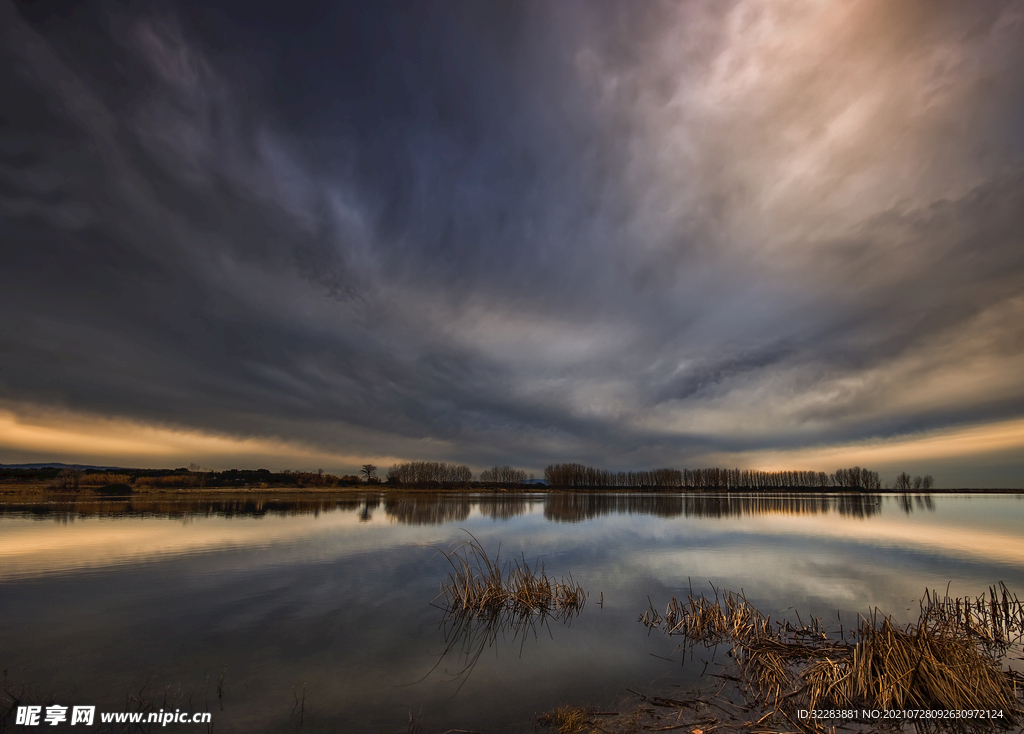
(59,465)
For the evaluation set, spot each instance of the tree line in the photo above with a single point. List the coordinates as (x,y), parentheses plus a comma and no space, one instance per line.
(439,474)
(580,476)
(194,477)
(429,473)
(570,476)
(503,475)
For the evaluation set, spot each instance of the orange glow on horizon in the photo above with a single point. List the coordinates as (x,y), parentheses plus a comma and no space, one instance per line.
(946,443)
(73,438)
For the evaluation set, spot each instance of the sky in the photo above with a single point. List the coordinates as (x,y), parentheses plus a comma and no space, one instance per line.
(767,234)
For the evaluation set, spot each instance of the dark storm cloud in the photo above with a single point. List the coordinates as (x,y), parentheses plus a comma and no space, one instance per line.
(519,233)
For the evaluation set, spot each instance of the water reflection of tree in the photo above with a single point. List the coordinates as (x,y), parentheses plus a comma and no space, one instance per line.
(439,508)
(909,502)
(370,503)
(502,506)
(427,509)
(184,508)
(576,507)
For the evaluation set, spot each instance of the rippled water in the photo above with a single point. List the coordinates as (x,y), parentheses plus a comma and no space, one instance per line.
(314,614)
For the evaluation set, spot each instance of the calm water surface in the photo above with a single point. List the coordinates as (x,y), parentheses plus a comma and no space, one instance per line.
(327,602)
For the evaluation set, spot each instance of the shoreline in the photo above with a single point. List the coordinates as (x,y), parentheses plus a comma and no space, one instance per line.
(35,489)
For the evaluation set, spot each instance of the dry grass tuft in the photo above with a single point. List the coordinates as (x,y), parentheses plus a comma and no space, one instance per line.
(483,599)
(568,719)
(478,586)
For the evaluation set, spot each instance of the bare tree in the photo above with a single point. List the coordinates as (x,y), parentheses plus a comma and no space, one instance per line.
(429,473)
(579,476)
(503,475)
(369,471)
(927,482)
(903,482)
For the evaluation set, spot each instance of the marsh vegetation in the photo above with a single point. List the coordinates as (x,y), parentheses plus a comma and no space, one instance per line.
(951,658)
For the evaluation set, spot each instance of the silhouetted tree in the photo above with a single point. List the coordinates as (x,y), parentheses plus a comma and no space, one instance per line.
(503,475)
(429,473)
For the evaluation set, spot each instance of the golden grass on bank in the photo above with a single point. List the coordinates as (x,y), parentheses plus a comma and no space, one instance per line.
(949,659)
(105,479)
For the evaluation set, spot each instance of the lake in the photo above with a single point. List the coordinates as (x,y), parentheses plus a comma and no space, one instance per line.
(304,613)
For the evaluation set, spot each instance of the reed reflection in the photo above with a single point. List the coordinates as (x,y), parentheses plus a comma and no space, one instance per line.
(467,636)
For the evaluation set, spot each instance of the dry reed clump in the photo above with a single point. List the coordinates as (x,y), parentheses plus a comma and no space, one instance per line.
(67,479)
(950,659)
(995,619)
(920,667)
(568,719)
(478,586)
